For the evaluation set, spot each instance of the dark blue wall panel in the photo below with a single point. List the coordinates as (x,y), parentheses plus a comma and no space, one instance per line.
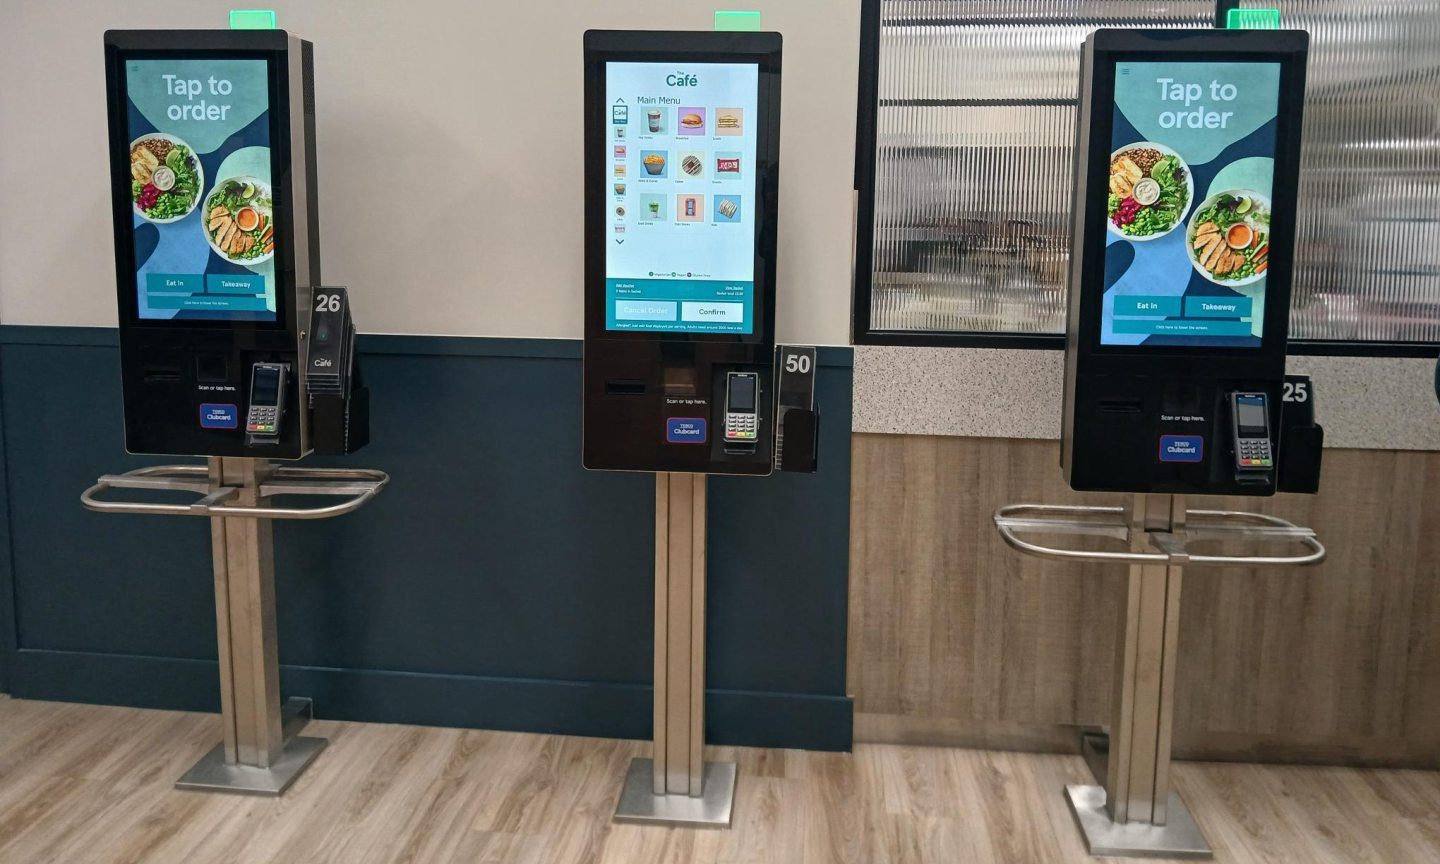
(494,583)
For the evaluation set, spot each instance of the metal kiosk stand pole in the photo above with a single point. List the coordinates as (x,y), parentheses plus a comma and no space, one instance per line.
(1135,812)
(677,786)
(261,753)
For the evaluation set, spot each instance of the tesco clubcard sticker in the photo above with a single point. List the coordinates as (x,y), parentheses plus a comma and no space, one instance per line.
(214,416)
(1182,448)
(685,430)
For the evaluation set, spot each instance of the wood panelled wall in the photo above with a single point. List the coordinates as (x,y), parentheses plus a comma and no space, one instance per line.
(956,639)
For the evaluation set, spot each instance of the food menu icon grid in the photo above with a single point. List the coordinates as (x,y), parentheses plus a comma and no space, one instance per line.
(665,154)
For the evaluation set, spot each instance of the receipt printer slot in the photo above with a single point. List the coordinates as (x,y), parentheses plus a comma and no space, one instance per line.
(624,388)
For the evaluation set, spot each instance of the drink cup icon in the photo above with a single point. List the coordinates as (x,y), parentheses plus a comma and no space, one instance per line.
(654,118)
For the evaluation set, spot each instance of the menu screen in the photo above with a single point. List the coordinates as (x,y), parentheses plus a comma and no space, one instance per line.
(680,187)
(1188,211)
(203,209)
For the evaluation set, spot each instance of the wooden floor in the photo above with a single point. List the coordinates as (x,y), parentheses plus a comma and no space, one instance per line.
(81,783)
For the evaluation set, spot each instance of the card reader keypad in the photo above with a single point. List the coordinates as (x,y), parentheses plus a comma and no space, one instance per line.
(739,427)
(1254,453)
(262,419)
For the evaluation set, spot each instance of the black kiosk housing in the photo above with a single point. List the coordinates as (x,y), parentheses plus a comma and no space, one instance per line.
(658,395)
(216,291)
(1160,351)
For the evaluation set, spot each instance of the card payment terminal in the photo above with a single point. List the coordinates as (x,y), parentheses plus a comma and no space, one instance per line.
(1252,432)
(741,394)
(267,400)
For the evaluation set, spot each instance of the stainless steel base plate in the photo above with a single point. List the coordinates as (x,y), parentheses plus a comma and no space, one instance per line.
(211,774)
(1180,837)
(639,803)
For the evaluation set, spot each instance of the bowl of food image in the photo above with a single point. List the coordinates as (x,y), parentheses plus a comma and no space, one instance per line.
(1150,190)
(654,163)
(165,178)
(239,221)
(1228,238)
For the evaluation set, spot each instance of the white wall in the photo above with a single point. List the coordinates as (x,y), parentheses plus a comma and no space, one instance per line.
(441,216)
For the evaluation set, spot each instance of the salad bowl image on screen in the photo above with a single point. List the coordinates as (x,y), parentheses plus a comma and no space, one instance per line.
(203,236)
(1181,271)
(1229,237)
(1151,187)
(239,221)
(166,178)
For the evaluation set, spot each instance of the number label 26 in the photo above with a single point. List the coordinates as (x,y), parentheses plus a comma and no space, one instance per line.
(331,303)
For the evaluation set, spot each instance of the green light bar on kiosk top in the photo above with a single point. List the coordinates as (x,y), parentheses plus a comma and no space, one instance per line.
(746,21)
(1252,19)
(252,19)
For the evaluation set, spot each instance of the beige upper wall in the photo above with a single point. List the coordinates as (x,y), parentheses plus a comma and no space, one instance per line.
(477,105)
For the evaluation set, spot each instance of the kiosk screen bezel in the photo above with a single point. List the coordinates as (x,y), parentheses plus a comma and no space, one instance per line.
(760,49)
(277,74)
(1097,149)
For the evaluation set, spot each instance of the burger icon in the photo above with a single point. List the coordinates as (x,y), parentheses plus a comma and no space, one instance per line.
(692,121)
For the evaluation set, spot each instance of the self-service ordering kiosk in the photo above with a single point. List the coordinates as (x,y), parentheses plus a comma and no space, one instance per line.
(682,153)
(230,348)
(682,143)
(1187,161)
(1184,225)
(212,145)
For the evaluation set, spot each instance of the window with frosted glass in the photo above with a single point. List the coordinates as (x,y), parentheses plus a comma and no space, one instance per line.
(974,137)
(1367,252)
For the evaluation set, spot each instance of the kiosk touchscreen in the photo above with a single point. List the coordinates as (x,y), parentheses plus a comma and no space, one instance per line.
(682,137)
(216,240)
(1185,212)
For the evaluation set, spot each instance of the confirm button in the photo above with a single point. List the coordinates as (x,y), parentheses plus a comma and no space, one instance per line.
(728,313)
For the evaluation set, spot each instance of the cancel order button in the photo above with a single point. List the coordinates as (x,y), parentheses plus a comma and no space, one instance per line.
(729,313)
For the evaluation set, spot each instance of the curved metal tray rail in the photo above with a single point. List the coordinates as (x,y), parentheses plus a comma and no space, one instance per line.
(358,484)
(1170,548)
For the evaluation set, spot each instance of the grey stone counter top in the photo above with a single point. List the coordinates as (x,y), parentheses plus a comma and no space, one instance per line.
(1363,402)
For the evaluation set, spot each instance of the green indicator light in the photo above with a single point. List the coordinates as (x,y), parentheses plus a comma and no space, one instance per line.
(747,21)
(252,19)
(1252,19)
